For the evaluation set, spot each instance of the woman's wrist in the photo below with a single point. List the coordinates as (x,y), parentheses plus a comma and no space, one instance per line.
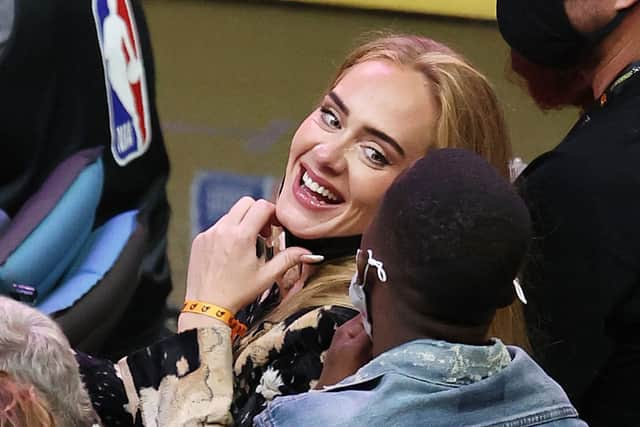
(188,321)
(213,311)
(219,301)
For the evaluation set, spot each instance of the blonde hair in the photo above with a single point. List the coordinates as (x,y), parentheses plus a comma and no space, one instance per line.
(469,113)
(469,116)
(329,285)
(22,405)
(510,326)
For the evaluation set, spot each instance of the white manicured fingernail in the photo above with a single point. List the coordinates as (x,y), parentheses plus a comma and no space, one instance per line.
(519,291)
(311,259)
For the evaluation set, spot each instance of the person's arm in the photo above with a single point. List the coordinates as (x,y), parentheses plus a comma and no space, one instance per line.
(183,380)
(223,266)
(579,269)
(224,271)
(183,396)
(188,378)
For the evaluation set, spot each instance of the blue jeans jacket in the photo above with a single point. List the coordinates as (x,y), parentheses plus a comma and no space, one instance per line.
(433,383)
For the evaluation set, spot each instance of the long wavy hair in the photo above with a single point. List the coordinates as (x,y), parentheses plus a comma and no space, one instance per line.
(469,116)
(328,285)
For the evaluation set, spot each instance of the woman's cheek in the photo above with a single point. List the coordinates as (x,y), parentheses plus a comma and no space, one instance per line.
(373,188)
(367,187)
(303,139)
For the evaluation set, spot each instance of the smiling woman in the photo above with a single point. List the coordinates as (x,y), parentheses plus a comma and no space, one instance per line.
(378,119)
(392,100)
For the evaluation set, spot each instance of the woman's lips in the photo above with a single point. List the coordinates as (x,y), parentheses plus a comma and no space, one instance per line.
(311,199)
(326,191)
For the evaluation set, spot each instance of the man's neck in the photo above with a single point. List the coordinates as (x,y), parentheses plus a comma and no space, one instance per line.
(387,335)
(388,338)
(619,49)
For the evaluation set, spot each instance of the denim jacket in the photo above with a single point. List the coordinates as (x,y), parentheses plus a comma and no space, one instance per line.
(433,383)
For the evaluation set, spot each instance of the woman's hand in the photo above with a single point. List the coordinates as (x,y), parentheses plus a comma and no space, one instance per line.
(350,350)
(223,267)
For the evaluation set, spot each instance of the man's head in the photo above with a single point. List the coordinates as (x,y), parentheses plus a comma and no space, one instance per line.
(34,350)
(451,234)
(591,16)
(555,44)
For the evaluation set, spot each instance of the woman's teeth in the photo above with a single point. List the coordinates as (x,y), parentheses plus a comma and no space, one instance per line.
(317,188)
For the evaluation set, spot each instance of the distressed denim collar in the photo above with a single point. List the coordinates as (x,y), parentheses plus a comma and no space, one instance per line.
(439,362)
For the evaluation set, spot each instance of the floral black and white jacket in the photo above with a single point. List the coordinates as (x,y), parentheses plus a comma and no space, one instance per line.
(191,379)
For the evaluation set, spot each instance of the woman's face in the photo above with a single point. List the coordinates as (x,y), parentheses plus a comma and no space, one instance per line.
(378,119)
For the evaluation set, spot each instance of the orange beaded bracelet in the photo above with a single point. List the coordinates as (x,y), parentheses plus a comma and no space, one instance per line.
(216,312)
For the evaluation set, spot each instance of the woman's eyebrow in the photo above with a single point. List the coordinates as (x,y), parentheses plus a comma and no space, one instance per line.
(373,131)
(386,138)
(334,96)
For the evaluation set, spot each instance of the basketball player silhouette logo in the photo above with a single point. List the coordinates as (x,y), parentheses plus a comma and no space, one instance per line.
(124,79)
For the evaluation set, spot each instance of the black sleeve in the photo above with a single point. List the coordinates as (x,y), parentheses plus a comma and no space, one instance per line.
(148,367)
(582,267)
(106,390)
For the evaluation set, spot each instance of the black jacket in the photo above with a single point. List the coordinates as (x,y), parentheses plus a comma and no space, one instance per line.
(583,278)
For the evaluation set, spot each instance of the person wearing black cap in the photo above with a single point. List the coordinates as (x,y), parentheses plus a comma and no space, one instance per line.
(583,279)
(437,261)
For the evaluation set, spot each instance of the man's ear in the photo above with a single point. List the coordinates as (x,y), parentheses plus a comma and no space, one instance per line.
(624,4)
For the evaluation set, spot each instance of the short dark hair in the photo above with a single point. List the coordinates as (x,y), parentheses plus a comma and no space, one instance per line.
(452,234)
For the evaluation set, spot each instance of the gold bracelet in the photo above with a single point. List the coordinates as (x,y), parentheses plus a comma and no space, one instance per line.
(216,312)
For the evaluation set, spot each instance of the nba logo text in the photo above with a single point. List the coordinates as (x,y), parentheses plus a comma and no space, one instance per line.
(125,82)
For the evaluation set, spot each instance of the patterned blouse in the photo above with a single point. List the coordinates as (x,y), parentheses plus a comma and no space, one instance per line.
(191,379)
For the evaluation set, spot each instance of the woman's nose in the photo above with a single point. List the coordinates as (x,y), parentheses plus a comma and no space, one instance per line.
(331,157)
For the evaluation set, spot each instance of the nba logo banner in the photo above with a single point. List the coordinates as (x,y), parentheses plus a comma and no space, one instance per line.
(124,79)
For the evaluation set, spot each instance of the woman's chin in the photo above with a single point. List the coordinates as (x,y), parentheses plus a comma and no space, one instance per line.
(310,231)
(302,229)
(307,224)
(295,220)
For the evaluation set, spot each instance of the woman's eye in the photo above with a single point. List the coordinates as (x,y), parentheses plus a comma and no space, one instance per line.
(330,119)
(375,156)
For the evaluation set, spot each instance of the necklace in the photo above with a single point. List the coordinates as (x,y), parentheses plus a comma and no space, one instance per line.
(616,87)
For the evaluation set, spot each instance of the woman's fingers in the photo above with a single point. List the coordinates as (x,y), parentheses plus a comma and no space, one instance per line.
(239,210)
(311,259)
(223,267)
(258,217)
(282,262)
(253,217)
